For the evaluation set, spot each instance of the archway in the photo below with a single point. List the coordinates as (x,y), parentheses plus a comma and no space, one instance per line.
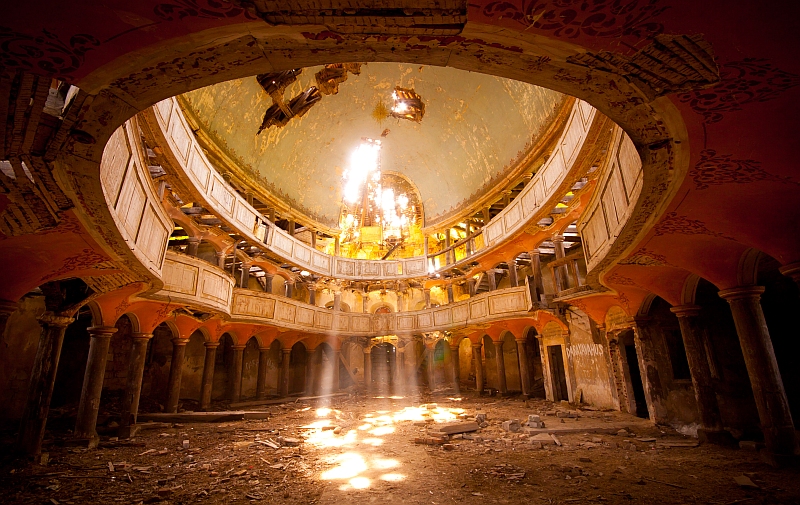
(222,368)
(298,361)
(535,365)
(511,361)
(384,359)
(192,370)
(632,374)
(250,368)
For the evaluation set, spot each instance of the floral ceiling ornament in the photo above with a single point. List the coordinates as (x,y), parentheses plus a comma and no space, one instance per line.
(751,80)
(44,53)
(672,223)
(714,169)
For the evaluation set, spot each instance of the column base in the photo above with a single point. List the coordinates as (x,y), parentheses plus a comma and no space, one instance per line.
(128,431)
(722,438)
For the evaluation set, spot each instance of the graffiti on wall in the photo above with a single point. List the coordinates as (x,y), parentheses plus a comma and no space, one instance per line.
(584,350)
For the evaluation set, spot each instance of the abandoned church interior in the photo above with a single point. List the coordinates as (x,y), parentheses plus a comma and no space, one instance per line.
(410,251)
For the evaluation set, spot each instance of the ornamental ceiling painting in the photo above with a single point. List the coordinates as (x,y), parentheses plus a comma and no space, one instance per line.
(474,130)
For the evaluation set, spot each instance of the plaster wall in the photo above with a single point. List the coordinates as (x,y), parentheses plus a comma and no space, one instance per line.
(586,358)
(250,369)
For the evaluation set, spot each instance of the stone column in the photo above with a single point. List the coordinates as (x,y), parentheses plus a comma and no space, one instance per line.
(235,373)
(536,273)
(284,378)
(268,282)
(492,280)
(368,369)
(312,295)
(501,367)
(191,248)
(336,246)
(455,369)
(547,374)
(400,368)
(431,368)
(311,374)
(220,259)
(762,367)
(560,271)
(427,293)
(337,353)
(450,296)
(133,386)
(447,255)
(288,289)
(524,374)
(42,381)
(693,336)
(208,374)
(175,372)
(93,377)
(337,301)
(648,365)
(512,272)
(245,279)
(364,302)
(478,361)
(261,385)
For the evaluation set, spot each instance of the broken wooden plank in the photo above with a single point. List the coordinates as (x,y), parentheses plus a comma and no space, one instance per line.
(456,427)
(278,401)
(196,417)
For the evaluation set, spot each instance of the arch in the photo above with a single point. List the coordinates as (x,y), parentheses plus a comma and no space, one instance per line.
(223,363)
(747,273)
(689,291)
(382,308)
(298,361)
(250,358)
(97,313)
(646,305)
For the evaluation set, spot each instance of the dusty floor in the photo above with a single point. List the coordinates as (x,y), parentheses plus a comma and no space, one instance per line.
(358,450)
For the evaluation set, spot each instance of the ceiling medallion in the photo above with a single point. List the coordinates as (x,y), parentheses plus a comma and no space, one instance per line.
(407,105)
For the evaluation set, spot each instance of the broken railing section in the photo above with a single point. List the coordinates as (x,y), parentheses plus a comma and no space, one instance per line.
(275,84)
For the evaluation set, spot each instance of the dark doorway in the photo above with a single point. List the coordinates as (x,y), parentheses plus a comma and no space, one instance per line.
(298,359)
(535,368)
(636,382)
(383,366)
(559,376)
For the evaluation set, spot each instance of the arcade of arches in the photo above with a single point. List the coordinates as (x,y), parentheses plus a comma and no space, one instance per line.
(516,207)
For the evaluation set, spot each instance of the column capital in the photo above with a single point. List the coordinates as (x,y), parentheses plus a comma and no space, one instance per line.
(53,319)
(557,238)
(368,350)
(286,351)
(742,292)
(101,331)
(263,349)
(688,310)
(179,341)
(194,240)
(139,335)
(520,340)
(211,345)
(791,270)
(238,347)
(476,345)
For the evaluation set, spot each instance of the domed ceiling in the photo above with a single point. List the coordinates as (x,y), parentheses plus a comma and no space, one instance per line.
(474,130)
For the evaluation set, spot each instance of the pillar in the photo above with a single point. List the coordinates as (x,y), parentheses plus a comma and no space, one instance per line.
(560,252)
(368,369)
(175,372)
(93,377)
(42,381)
(450,296)
(312,295)
(449,254)
(261,385)
(337,301)
(431,368)
(648,366)
(536,272)
(208,374)
(400,368)
(455,369)
(425,244)
(762,367)
(427,293)
(268,282)
(310,371)
(284,377)
(336,246)
(492,280)
(133,385)
(478,361)
(471,286)
(337,353)
(693,336)
(244,281)
(220,259)
(512,272)
(288,288)
(501,367)
(235,375)
(524,374)
(193,244)
(290,228)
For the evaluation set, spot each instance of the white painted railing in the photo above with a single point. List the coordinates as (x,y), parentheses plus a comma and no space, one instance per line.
(534,202)
(613,201)
(133,201)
